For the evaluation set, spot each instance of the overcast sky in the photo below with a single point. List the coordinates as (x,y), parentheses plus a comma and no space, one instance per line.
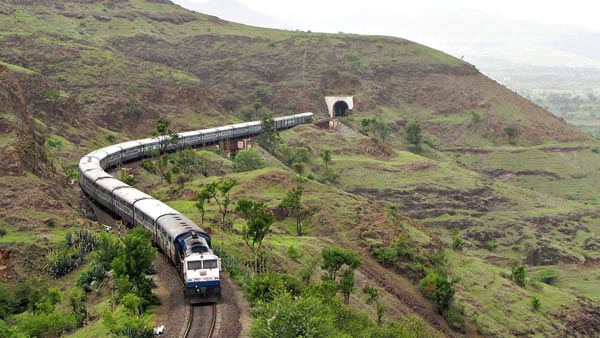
(573,12)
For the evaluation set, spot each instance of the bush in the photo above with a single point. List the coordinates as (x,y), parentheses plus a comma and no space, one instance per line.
(491,245)
(547,276)
(247,160)
(95,274)
(535,303)
(2,231)
(519,275)
(148,166)
(437,287)
(265,287)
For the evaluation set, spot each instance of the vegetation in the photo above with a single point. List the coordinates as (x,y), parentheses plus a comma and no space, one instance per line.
(548,276)
(292,205)
(220,193)
(164,134)
(269,137)
(413,133)
(258,222)
(246,160)
(438,287)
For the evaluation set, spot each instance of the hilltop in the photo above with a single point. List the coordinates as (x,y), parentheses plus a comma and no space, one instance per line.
(78,75)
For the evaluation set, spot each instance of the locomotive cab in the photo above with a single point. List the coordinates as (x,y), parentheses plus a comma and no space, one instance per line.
(202,277)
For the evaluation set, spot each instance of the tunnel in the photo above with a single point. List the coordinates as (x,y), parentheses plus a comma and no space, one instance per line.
(340,108)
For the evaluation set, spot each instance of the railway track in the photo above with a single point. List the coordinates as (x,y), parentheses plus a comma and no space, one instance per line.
(201,322)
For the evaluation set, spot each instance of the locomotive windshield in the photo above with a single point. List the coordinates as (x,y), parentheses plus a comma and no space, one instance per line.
(194,265)
(210,264)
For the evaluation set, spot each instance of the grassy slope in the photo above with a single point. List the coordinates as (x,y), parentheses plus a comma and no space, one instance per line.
(174,63)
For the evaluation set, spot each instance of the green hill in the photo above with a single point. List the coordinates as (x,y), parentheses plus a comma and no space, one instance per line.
(517,182)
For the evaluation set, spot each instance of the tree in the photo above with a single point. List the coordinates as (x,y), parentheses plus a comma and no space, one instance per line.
(162,165)
(535,303)
(291,204)
(133,112)
(258,222)
(257,105)
(511,134)
(33,153)
(457,242)
(347,284)
(288,317)
(437,287)
(518,273)
(413,133)
(269,137)
(164,134)
(229,102)
(372,292)
(220,193)
(203,197)
(246,160)
(131,264)
(326,157)
(334,258)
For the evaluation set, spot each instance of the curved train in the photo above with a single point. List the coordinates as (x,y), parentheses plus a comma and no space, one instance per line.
(186,245)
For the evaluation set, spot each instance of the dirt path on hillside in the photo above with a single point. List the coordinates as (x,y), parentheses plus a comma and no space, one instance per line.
(405,292)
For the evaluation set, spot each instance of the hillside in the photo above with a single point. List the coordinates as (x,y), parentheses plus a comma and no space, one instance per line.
(78,75)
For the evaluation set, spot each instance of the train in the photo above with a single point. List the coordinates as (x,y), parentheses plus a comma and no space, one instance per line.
(184,243)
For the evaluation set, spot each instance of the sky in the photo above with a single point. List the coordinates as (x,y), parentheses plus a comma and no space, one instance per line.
(489,34)
(572,12)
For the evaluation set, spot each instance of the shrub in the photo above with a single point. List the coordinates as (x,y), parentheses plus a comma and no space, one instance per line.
(247,160)
(491,245)
(437,287)
(265,287)
(518,274)
(2,231)
(457,242)
(148,166)
(535,303)
(547,276)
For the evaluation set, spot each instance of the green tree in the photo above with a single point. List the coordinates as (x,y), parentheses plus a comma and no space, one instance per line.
(164,134)
(372,292)
(437,287)
(519,274)
(288,317)
(269,136)
(258,223)
(326,157)
(162,166)
(457,242)
(347,284)
(257,106)
(131,264)
(133,303)
(535,303)
(334,258)
(203,197)
(246,160)
(413,133)
(133,112)
(127,176)
(292,205)
(220,193)
(511,134)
